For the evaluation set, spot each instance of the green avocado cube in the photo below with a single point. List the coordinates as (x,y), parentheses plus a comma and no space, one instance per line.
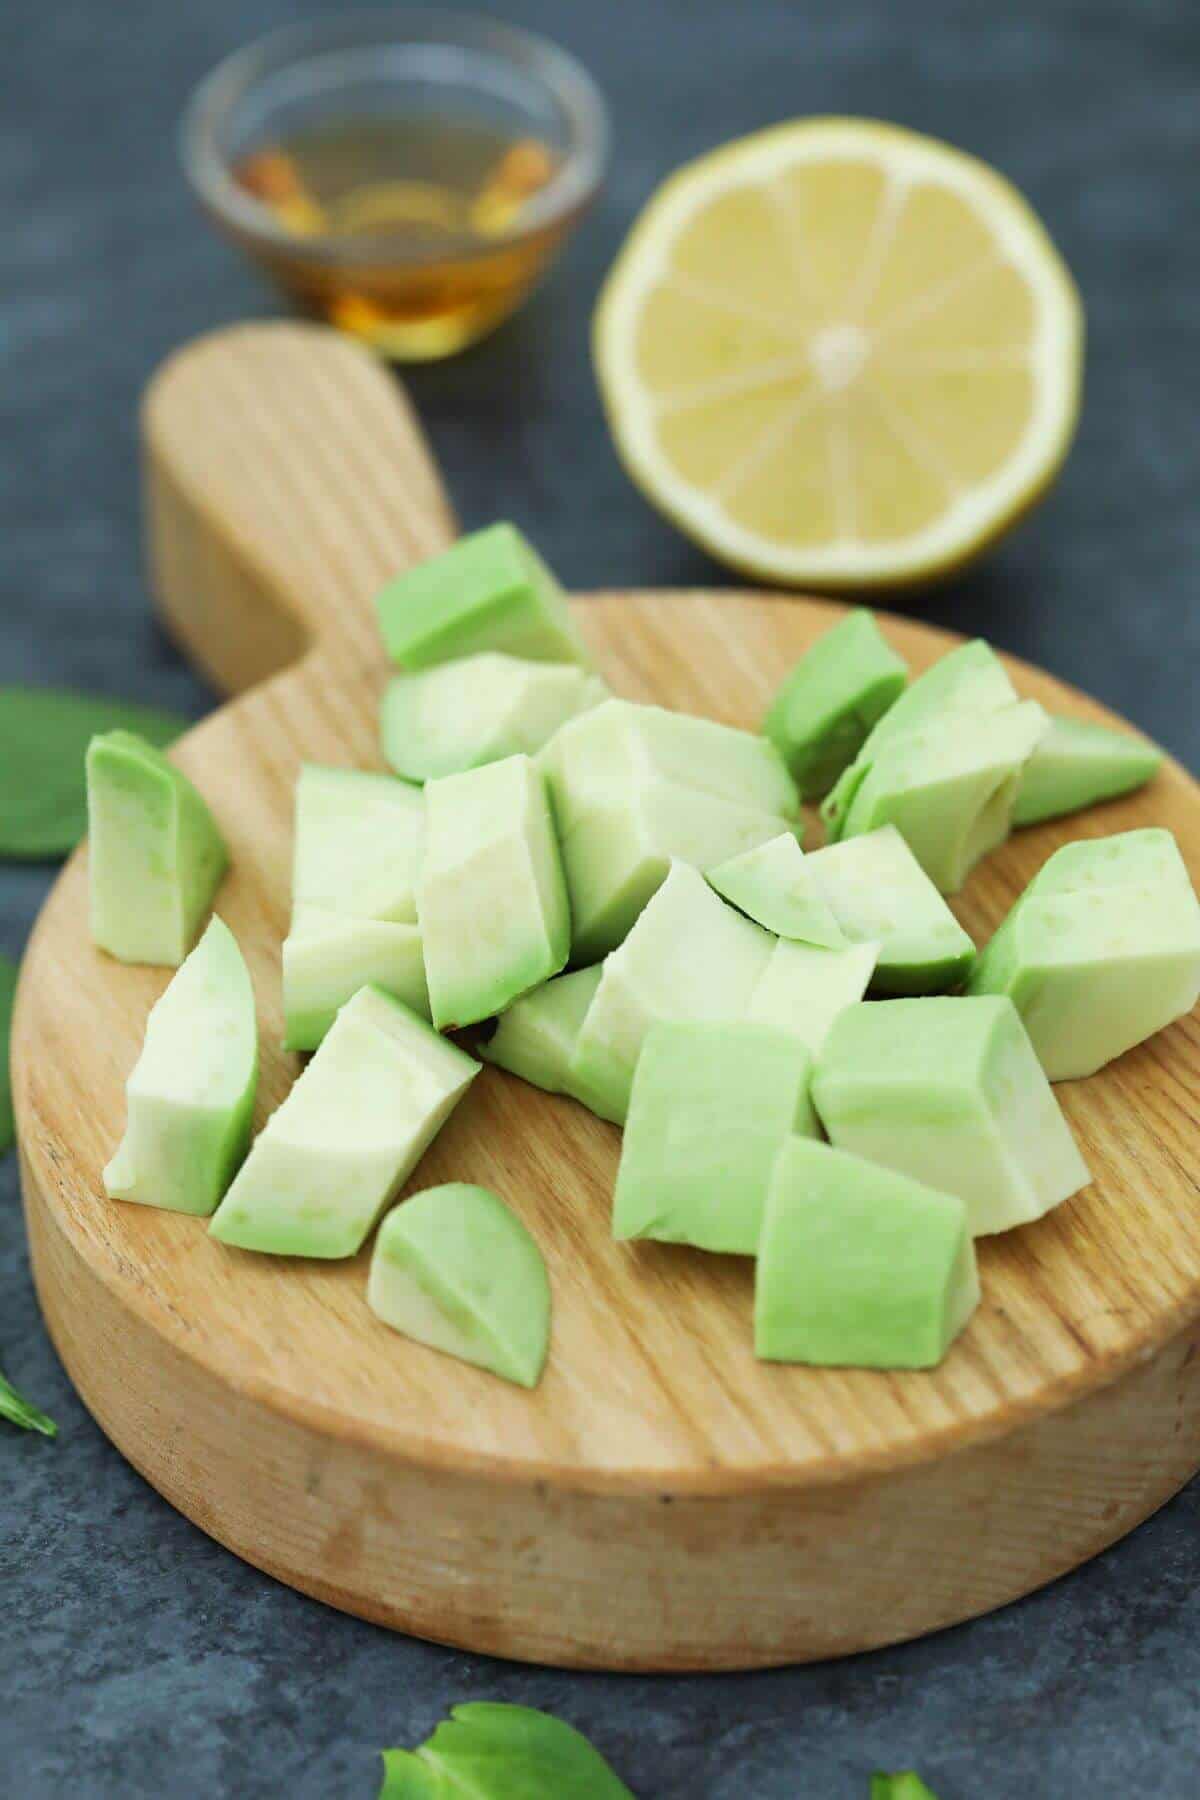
(191,1093)
(1101,950)
(711,1107)
(491,900)
(354,1126)
(689,956)
(804,988)
(950,1092)
(489,591)
(358,846)
(454,1269)
(536,1037)
(328,956)
(1078,763)
(879,894)
(827,707)
(459,715)
(859,1267)
(155,855)
(773,885)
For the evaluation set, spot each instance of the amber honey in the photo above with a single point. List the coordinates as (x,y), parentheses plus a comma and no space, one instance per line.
(418,235)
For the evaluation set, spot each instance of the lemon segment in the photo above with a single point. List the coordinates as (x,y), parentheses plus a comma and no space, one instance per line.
(840,353)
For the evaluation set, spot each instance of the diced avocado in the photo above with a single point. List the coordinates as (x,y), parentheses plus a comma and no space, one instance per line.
(711,1107)
(489,591)
(328,956)
(772,884)
(949,788)
(191,1093)
(460,715)
(1100,951)
(351,1131)
(878,893)
(359,842)
(491,901)
(536,1037)
(689,956)
(858,1266)
(950,1092)
(804,987)
(155,856)
(455,1269)
(1077,764)
(825,710)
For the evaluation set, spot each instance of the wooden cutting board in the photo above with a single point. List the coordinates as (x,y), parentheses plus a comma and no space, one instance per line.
(662,1501)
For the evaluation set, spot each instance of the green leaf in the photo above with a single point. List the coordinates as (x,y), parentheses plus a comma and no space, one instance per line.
(485,1751)
(904,1786)
(19,1412)
(8,990)
(44,735)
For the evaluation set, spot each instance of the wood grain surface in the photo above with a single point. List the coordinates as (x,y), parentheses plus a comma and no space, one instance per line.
(662,1500)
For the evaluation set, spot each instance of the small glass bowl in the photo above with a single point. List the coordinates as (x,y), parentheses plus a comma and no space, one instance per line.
(412,300)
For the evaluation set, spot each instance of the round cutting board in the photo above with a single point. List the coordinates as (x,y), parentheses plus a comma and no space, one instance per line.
(662,1501)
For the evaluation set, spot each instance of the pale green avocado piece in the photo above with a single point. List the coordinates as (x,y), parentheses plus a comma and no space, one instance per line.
(155,855)
(455,1269)
(711,1107)
(491,900)
(951,1093)
(1077,764)
(536,1037)
(859,1267)
(489,591)
(354,1126)
(772,884)
(689,956)
(460,715)
(949,788)
(838,691)
(359,841)
(804,987)
(191,1093)
(879,894)
(1101,950)
(328,956)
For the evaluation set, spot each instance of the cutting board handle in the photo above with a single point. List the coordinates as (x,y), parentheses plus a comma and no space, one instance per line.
(286,479)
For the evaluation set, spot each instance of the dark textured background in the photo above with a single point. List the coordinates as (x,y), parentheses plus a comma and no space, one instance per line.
(137,1658)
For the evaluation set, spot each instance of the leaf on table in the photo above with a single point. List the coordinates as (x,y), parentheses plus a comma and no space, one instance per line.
(903,1786)
(18,1411)
(8,991)
(44,735)
(487,1751)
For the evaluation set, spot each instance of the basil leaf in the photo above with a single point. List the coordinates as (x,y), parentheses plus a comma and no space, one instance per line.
(904,1786)
(8,990)
(19,1412)
(485,1751)
(44,734)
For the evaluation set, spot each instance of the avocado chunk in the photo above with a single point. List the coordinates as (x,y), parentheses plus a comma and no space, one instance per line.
(491,900)
(191,1093)
(155,855)
(1101,950)
(489,591)
(350,1132)
(773,885)
(328,956)
(359,841)
(879,894)
(689,956)
(858,1266)
(838,691)
(950,1092)
(453,1268)
(1078,763)
(460,715)
(536,1037)
(711,1107)
(804,988)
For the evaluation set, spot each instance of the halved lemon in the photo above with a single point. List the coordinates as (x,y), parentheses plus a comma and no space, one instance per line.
(840,353)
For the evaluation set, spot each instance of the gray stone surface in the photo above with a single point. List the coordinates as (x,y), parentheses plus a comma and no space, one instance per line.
(137,1658)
